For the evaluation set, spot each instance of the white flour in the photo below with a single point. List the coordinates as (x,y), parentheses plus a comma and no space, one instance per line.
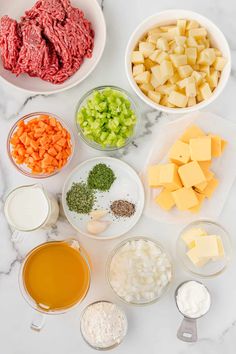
(103,324)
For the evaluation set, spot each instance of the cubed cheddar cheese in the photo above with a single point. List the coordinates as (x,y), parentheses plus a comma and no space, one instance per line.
(200,148)
(190,235)
(211,187)
(197,208)
(191,174)
(192,132)
(179,153)
(185,198)
(165,200)
(215,145)
(169,177)
(205,165)
(201,186)
(224,143)
(154,176)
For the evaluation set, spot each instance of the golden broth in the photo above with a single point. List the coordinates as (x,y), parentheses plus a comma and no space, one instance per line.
(56,276)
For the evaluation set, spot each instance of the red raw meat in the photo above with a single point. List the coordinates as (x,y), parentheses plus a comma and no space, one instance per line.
(50,41)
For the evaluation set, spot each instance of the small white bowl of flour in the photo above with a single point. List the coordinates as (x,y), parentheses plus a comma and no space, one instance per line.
(103,325)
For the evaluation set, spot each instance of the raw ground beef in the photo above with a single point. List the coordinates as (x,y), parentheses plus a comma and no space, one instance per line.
(49,42)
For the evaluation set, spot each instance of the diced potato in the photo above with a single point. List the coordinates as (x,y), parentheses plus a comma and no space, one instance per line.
(138,69)
(162,56)
(191,42)
(212,79)
(162,44)
(137,57)
(154,96)
(175,78)
(205,91)
(197,77)
(166,69)
(200,47)
(166,28)
(154,55)
(191,87)
(166,89)
(182,83)
(191,101)
(192,24)
(199,96)
(191,55)
(146,48)
(154,81)
(156,70)
(180,40)
(143,78)
(185,71)
(174,31)
(179,49)
(146,87)
(198,32)
(154,30)
(219,63)
(218,52)
(207,56)
(178,59)
(178,99)
(181,24)
(153,37)
(148,63)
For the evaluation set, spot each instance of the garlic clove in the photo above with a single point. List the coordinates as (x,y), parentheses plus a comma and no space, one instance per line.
(96,227)
(98,214)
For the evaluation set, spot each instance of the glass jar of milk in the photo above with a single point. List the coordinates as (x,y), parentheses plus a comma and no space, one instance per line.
(30,207)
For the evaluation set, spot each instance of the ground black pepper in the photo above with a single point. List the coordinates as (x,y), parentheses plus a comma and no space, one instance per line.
(122,208)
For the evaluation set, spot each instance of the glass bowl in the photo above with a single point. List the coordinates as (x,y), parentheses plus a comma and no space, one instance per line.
(212,268)
(103,348)
(22,168)
(117,249)
(82,103)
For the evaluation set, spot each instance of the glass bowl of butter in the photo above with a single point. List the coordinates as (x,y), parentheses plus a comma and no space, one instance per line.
(204,248)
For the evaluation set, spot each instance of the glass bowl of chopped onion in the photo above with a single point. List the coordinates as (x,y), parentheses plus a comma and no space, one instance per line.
(107,118)
(139,271)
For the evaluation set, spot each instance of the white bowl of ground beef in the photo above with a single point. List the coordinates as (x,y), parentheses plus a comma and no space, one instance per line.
(62,50)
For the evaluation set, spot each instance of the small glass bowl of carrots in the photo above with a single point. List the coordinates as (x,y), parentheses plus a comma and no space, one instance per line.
(40,144)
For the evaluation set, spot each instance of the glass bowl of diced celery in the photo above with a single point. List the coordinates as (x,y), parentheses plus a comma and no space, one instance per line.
(106,118)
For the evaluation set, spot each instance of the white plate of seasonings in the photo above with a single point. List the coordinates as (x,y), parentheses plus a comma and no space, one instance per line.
(108,213)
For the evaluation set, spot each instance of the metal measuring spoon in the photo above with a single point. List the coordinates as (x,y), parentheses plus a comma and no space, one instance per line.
(187,331)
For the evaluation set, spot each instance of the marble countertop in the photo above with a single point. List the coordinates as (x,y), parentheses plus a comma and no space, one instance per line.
(152,329)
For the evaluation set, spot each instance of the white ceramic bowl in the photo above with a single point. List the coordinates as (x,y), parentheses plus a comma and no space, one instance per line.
(92,12)
(168,17)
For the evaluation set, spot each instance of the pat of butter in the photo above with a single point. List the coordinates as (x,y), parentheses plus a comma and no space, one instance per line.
(194,258)
(220,249)
(207,247)
(189,236)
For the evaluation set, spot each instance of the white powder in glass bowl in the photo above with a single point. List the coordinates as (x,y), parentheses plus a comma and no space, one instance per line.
(139,271)
(103,325)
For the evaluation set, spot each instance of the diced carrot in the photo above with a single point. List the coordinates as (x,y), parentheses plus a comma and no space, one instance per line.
(52,151)
(61,142)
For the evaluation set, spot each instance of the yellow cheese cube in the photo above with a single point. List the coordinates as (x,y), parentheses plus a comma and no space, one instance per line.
(178,59)
(137,57)
(205,165)
(200,148)
(221,251)
(190,87)
(190,235)
(166,69)
(207,246)
(169,177)
(197,208)
(146,48)
(192,132)
(191,174)
(224,143)
(207,56)
(205,91)
(178,99)
(193,256)
(201,186)
(154,176)
(215,145)
(179,153)
(138,69)
(191,55)
(219,63)
(191,101)
(146,87)
(181,24)
(165,200)
(154,96)
(143,78)
(211,187)
(162,44)
(198,32)
(185,71)
(185,198)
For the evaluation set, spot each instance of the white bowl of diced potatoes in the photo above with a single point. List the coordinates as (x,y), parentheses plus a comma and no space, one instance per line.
(177,61)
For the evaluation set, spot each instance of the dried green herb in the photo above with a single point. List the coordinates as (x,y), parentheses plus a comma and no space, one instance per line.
(80,198)
(101,177)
